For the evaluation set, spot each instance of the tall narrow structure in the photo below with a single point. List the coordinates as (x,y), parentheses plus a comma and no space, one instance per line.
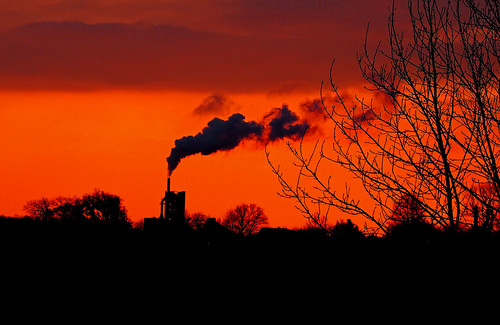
(172,218)
(173,206)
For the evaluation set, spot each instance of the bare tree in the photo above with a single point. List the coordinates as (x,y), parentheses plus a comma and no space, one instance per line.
(408,209)
(100,206)
(483,212)
(245,219)
(196,220)
(434,136)
(477,72)
(42,209)
(68,208)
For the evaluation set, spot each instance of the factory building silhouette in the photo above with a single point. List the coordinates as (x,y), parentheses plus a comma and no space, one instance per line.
(173,206)
(172,223)
(172,212)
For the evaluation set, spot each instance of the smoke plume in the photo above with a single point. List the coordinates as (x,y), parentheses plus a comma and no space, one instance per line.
(224,135)
(314,107)
(284,125)
(218,135)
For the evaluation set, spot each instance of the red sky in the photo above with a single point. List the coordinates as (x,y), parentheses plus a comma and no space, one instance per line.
(94,94)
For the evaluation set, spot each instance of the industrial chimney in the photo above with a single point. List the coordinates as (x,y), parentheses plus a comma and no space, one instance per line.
(172,212)
(173,206)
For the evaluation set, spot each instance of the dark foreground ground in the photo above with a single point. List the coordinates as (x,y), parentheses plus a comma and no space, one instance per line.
(109,251)
(87,270)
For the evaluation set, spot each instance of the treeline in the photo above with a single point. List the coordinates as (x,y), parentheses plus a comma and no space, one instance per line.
(414,231)
(96,207)
(101,216)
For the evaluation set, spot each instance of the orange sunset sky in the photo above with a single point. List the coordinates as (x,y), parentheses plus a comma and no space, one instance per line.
(93,94)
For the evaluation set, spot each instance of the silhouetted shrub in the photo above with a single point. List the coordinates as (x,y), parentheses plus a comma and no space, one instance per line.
(415,230)
(97,207)
(346,231)
(196,220)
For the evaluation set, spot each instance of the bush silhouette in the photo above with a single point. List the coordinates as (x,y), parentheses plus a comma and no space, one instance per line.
(414,230)
(346,231)
(98,207)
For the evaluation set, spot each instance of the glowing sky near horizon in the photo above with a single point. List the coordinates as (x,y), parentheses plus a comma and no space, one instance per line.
(94,94)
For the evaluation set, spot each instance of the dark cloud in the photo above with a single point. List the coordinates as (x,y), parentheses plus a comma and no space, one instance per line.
(213,105)
(75,55)
(223,46)
(311,18)
(235,16)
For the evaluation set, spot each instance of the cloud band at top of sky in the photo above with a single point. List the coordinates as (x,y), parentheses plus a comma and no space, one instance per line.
(220,46)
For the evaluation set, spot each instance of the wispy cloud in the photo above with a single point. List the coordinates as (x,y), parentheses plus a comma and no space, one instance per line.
(213,105)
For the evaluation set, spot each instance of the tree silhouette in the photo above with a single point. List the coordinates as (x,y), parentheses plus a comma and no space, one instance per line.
(245,219)
(68,208)
(483,206)
(346,231)
(434,135)
(40,209)
(196,220)
(95,207)
(104,207)
(407,209)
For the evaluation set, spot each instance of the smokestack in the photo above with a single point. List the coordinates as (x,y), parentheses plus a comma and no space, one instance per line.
(168,184)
